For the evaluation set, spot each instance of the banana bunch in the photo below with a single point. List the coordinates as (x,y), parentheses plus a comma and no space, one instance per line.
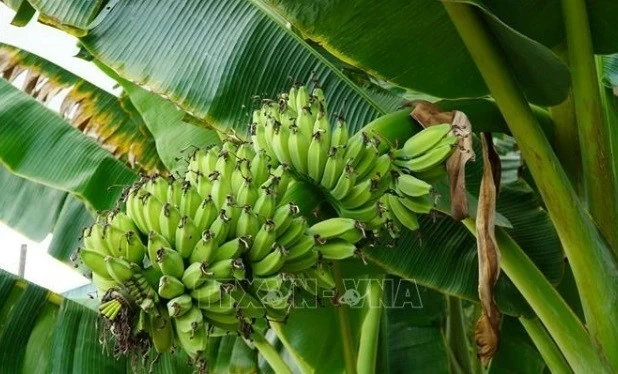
(219,249)
(363,177)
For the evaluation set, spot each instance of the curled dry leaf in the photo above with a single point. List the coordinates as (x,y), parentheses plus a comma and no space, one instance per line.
(428,114)
(487,334)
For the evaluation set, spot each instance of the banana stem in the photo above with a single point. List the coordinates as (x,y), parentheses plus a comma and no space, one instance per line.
(370,330)
(456,336)
(547,347)
(349,352)
(566,136)
(593,133)
(594,264)
(304,367)
(564,326)
(270,354)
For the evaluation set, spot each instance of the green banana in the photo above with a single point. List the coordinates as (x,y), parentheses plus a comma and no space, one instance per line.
(333,168)
(337,249)
(169,219)
(170,287)
(344,228)
(226,270)
(412,186)
(298,144)
(221,227)
(427,160)
(209,292)
(420,204)
(265,204)
(247,193)
(190,200)
(404,216)
(232,249)
(340,134)
(423,141)
(205,249)
(157,186)
(344,184)
(220,189)
(170,262)
(283,216)
(358,195)
(95,261)
(301,247)
(155,241)
(161,332)
(95,239)
(187,236)
(322,276)
(264,239)
(122,221)
(195,275)
(248,223)
(259,167)
(119,269)
(271,263)
(317,155)
(301,263)
(132,248)
(174,192)
(135,208)
(205,214)
(293,233)
(179,305)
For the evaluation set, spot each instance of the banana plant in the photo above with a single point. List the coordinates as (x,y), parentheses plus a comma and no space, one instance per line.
(200,78)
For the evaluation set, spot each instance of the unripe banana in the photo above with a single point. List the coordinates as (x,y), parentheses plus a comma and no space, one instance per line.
(232,210)
(119,269)
(155,241)
(179,306)
(283,216)
(221,188)
(337,249)
(95,239)
(247,194)
(205,249)
(423,141)
(226,305)
(293,233)
(358,195)
(226,270)
(135,208)
(318,96)
(226,161)
(258,132)
(112,237)
(226,321)
(291,98)
(366,163)
(162,334)
(301,247)
(364,213)
(247,306)
(190,200)
(95,261)
(205,214)
(132,248)
(381,167)
(169,219)
(232,249)
(110,309)
(203,185)
(433,175)
(248,223)
(191,334)
(152,211)
(195,275)
(170,287)
(157,186)
(266,202)
(209,292)
(174,192)
(404,216)
(355,148)
(259,167)
(271,263)
(420,204)
(344,184)
(298,144)
(302,98)
(170,262)
(187,236)
(333,168)
(412,186)
(427,160)
(245,151)
(122,221)
(221,227)
(304,262)
(263,241)
(317,155)
(280,143)
(344,228)
(340,134)
(266,284)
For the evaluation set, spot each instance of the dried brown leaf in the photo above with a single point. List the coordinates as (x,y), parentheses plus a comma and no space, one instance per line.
(428,114)
(487,334)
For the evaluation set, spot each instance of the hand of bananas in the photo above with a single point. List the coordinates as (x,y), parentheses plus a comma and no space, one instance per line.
(223,247)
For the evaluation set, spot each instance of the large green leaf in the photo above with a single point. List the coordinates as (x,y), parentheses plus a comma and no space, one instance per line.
(41,332)
(443,254)
(36,210)
(210,58)
(88,108)
(414,45)
(542,20)
(71,15)
(39,145)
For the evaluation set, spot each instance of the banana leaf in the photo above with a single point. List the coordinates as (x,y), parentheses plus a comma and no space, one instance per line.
(88,108)
(39,145)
